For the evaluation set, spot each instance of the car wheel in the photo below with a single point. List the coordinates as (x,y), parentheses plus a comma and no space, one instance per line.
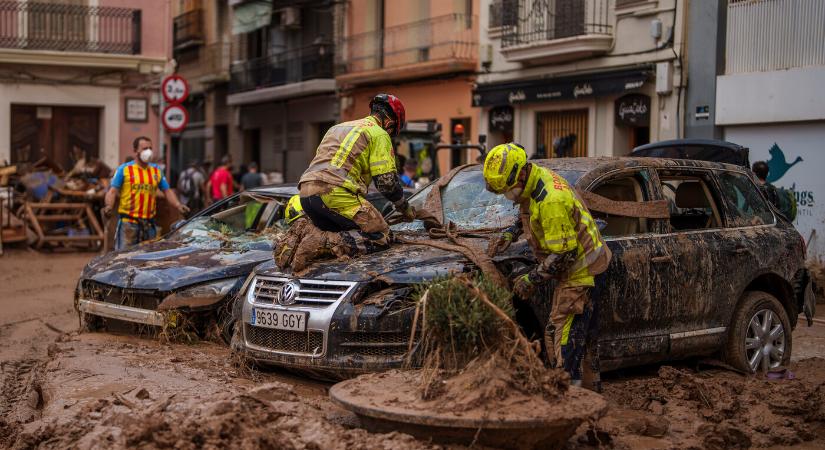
(760,335)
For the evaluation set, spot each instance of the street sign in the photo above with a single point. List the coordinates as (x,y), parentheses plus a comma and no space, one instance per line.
(175,89)
(175,118)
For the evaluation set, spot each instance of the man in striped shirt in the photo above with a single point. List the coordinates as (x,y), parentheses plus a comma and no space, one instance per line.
(137,182)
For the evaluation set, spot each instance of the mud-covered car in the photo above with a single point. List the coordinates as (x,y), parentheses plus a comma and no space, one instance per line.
(701,265)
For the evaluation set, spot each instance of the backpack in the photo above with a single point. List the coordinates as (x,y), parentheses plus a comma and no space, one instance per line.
(787,202)
(186,184)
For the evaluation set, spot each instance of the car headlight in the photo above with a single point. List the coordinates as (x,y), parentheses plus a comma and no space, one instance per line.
(200,295)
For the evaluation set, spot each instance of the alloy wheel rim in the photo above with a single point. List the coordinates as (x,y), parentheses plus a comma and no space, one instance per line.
(764,341)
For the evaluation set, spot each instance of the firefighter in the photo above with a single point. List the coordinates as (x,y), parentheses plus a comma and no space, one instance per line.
(568,248)
(349,157)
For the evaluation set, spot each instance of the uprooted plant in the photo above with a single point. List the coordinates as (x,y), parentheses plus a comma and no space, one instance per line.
(468,334)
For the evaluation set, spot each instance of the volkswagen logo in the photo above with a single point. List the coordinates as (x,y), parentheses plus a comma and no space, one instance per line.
(289,293)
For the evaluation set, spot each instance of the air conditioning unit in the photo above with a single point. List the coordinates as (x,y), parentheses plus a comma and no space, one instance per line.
(291,17)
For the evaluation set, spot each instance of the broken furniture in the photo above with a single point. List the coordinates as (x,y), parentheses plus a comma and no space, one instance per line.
(65,224)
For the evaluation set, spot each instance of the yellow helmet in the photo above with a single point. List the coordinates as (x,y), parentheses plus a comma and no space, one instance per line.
(502,166)
(294,210)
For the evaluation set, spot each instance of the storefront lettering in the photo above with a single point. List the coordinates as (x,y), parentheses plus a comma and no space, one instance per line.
(633,85)
(548,95)
(517,96)
(584,89)
(501,118)
(634,108)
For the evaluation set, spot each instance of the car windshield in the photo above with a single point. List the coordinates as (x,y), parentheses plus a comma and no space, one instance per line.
(469,205)
(242,219)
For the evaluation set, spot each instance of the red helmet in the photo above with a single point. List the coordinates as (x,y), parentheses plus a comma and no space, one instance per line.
(395,106)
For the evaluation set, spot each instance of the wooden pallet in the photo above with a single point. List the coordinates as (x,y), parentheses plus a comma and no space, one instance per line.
(43,217)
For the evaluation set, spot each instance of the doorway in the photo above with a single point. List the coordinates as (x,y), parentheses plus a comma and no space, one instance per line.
(39,131)
(561,134)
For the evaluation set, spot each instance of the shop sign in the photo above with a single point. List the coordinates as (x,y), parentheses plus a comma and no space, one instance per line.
(633,110)
(501,118)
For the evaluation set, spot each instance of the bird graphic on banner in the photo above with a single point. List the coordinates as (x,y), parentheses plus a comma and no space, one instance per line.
(777,165)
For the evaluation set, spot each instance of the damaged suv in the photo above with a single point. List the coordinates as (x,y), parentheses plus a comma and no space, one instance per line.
(701,265)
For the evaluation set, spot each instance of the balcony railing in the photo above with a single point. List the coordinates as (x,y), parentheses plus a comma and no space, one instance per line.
(502,14)
(767,35)
(540,21)
(453,37)
(302,64)
(188,29)
(214,61)
(72,28)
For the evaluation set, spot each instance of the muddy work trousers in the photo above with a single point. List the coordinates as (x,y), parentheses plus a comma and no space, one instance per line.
(573,334)
(132,231)
(365,232)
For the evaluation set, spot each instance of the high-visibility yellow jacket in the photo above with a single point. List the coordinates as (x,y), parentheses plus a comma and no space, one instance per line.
(293,209)
(349,156)
(558,222)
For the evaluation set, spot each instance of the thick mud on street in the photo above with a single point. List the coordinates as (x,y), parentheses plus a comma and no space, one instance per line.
(65,389)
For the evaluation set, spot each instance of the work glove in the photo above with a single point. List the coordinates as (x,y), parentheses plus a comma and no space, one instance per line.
(501,243)
(407,211)
(524,287)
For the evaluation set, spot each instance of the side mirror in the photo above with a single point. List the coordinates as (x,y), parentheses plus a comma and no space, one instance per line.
(177,225)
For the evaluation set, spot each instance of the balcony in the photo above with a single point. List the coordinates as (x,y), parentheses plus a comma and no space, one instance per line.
(437,46)
(302,71)
(214,62)
(774,35)
(554,30)
(53,27)
(188,30)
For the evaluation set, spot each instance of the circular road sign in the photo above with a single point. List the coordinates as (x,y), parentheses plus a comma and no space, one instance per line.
(175,89)
(175,118)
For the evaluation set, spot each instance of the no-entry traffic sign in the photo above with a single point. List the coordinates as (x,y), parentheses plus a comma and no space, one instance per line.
(175,89)
(175,118)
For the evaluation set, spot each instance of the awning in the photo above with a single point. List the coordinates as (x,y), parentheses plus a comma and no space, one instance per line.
(251,15)
(585,86)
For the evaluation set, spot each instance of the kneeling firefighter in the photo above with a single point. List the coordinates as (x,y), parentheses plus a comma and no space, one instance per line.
(568,247)
(332,189)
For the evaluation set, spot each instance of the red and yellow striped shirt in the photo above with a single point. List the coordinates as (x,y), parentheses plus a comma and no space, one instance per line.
(139,189)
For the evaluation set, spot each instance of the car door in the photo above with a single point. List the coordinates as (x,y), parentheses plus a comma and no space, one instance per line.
(688,260)
(625,291)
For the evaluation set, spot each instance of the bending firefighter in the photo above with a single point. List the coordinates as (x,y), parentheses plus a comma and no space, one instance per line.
(349,157)
(568,248)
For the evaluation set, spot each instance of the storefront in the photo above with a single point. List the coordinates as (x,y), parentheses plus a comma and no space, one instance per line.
(603,114)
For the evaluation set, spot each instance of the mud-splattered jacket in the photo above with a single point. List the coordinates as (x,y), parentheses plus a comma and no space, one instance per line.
(558,222)
(350,155)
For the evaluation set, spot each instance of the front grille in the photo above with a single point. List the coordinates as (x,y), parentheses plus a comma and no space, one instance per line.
(376,344)
(313,293)
(309,342)
(137,298)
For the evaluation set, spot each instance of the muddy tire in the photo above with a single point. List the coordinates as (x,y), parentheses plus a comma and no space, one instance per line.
(760,335)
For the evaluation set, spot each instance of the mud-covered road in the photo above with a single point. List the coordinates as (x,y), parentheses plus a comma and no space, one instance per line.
(63,389)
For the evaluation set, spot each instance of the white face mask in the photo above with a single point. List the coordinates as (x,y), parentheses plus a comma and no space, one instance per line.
(146,155)
(514,194)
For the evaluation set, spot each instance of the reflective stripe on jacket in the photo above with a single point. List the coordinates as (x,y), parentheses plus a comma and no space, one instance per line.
(558,222)
(349,155)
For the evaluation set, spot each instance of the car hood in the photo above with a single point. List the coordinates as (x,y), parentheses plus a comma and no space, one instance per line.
(400,264)
(170,265)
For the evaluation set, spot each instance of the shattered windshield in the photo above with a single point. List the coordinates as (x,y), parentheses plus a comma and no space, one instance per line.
(244,218)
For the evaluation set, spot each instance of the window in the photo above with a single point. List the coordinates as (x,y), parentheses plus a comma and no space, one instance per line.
(691,202)
(238,220)
(633,188)
(745,204)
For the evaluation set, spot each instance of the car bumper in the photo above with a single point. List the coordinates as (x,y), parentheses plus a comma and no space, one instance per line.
(121,312)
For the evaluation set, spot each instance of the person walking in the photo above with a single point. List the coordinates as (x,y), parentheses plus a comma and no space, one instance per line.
(137,183)
(221,182)
(251,179)
(568,247)
(191,185)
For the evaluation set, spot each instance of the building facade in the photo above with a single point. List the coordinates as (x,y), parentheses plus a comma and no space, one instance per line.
(580,77)
(201,43)
(80,74)
(425,52)
(769,98)
(282,88)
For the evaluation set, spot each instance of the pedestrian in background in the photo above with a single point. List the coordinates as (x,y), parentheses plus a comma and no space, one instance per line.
(191,187)
(251,179)
(221,183)
(760,169)
(409,177)
(137,183)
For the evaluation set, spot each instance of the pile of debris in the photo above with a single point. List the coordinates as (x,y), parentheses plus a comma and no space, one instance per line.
(41,204)
(481,380)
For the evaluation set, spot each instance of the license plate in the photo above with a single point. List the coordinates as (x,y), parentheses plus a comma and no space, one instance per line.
(279,320)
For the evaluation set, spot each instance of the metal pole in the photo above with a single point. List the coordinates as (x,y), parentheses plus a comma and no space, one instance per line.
(161,130)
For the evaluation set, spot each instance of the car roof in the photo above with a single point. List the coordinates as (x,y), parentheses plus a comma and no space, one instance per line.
(284,189)
(696,149)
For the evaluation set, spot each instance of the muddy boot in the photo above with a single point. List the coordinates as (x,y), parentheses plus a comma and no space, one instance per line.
(284,249)
(314,245)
